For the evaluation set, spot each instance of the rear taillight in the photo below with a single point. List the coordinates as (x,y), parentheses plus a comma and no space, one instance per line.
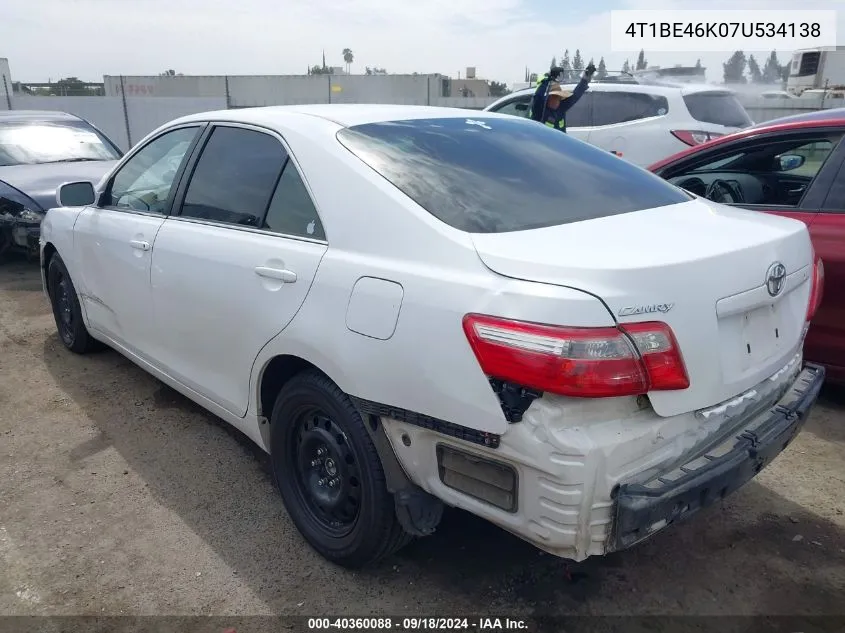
(602,362)
(694,137)
(817,289)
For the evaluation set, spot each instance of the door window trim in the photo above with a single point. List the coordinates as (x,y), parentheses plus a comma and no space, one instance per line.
(190,167)
(171,196)
(812,201)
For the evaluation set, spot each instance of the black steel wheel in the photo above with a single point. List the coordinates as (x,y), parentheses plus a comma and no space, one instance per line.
(66,310)
(329,474)
(327,478)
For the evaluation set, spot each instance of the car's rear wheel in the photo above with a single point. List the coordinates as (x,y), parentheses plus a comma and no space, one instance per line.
(329,474)
(66,309)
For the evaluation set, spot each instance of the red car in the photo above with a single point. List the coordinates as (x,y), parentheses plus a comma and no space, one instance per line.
(794,166)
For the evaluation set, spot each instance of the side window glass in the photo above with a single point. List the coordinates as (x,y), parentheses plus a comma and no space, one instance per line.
(581,114)
(521,106)
(234,177)
(808,157)
(291,210)
(145,181)
(621,107)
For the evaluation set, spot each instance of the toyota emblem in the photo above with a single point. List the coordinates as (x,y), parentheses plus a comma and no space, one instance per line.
(775,278)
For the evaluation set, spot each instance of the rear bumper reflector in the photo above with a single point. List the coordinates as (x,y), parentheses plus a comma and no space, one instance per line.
(484,479)
(645,508)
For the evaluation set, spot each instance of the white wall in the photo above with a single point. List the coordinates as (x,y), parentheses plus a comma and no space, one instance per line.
(147,113)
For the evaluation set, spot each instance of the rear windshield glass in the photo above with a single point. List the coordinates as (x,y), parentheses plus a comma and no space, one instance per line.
(720,108)
(493,175)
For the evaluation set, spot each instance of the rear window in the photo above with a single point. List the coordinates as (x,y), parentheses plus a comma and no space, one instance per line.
(492,175)
(720,108)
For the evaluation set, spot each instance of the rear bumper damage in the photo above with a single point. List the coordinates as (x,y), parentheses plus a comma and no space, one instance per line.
(580,478)
(706,477)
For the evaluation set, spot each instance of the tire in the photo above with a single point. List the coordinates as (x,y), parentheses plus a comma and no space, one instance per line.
(312,414)
(66,309)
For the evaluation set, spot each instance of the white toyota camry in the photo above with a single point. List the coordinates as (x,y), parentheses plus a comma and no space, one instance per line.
(409,307)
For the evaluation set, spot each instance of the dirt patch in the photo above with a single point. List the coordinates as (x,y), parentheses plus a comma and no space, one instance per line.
(122,497)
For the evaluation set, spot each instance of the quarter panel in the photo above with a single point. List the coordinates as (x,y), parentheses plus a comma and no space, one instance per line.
(427,366)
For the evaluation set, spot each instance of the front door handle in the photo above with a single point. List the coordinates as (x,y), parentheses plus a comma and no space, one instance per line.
(283,275)
(141,245)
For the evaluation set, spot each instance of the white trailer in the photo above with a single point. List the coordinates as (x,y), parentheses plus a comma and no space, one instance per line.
(815,68)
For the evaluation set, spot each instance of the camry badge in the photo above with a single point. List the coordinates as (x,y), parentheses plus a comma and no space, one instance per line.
(648,309)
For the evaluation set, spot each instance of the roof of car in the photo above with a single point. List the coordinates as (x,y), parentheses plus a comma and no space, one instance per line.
(663,88)
(833,114)
(343,114)
(36,115)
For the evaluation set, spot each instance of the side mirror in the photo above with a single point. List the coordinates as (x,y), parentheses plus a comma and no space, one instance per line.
(521,107)
(788,162)
(76,194)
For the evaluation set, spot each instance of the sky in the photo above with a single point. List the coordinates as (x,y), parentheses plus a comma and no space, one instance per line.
(50,39)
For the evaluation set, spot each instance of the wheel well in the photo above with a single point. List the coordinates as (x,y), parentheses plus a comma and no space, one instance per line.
(49,251)
(278,371)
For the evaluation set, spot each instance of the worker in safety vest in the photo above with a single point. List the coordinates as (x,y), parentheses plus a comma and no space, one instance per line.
(551,102)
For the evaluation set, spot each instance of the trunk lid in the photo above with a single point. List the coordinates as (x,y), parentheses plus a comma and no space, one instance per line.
(698,266)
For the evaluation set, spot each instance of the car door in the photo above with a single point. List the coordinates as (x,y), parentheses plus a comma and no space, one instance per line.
(234,262)
(630,124)
(113,241)
(826,339)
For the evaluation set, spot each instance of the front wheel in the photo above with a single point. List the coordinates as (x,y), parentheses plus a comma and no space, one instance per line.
(66,309)
(329,474)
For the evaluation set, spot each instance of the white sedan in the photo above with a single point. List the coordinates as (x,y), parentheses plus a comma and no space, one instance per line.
(409,307)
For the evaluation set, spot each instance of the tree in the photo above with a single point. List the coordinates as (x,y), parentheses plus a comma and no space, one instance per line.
(642,63)
(601,71)
(348,57)
(71,87)
(316,69)
(566,65)
(754,70)
(498,89)
(577,64)
(698,64)
(626,67)
(771,69)
(554,62)
(734,68)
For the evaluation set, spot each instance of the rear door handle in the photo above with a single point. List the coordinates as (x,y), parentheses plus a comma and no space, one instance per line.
(141,245)
(283,275)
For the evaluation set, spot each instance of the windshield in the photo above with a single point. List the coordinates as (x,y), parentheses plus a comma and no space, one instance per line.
(38,142)
(492,175)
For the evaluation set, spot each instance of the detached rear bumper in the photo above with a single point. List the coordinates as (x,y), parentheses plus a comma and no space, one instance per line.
(644,508)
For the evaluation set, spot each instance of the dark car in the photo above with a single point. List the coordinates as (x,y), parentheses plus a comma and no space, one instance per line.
(38,152)
(794,166)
